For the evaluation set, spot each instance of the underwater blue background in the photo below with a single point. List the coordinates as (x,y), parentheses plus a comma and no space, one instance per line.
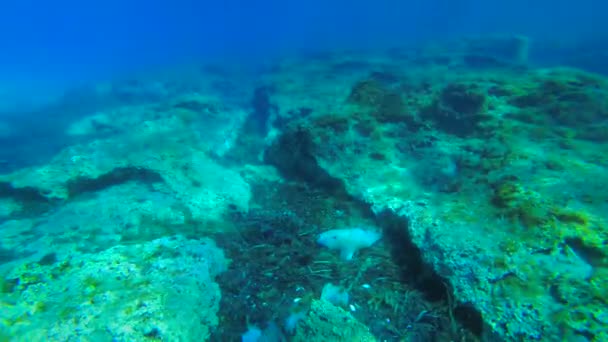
(268,170)
(47,46)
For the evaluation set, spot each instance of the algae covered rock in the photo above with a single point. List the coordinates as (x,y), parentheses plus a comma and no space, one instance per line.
(565,98)
(502,218)
(327,322)
(385,103)
(367,93)
(163,289)
(458,109)
(392,109)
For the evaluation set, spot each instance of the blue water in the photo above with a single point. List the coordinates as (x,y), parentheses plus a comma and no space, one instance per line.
(271,170)
(56,45)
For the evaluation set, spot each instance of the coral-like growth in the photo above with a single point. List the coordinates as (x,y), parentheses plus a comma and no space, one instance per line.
(462,99)
(391,109)
(458,109)
(566,98)
(367,93)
